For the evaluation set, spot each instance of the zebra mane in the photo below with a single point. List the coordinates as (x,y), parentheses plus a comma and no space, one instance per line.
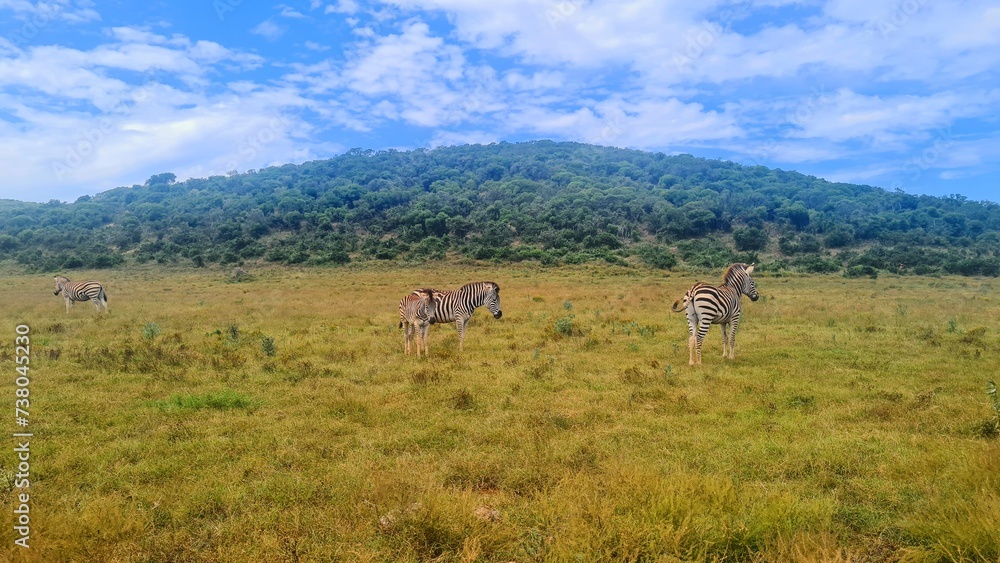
(729,271)
(472,284)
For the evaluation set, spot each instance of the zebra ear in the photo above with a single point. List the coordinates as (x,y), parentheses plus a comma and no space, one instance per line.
(750,268)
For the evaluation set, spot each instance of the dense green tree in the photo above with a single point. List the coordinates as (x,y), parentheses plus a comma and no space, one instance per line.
(749,239)
(545,201)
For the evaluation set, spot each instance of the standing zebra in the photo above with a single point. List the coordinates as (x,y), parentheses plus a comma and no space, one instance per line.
(707,305)
(82,291)
(416,313)
(458,305)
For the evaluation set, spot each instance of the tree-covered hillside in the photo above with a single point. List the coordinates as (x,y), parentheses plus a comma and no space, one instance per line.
(545,201)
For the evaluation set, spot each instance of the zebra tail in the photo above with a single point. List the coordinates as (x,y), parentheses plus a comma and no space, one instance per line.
(103,296)
(678,307)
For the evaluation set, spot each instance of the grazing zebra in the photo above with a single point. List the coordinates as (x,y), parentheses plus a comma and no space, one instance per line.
(82,291)
(458,305)
(707,305)
(416,313)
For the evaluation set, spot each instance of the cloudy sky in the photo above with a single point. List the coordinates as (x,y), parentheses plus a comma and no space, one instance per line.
(902,94)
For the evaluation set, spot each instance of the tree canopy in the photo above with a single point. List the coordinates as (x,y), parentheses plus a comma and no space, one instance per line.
(543,201)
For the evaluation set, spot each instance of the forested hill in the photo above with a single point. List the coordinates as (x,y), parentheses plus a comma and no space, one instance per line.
(545,201)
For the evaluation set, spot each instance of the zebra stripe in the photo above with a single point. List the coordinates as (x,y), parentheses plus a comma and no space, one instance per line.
(458,305)
(416,313)
(707,305)
(81,291)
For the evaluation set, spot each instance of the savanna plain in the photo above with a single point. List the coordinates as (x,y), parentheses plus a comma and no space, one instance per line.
(276,418)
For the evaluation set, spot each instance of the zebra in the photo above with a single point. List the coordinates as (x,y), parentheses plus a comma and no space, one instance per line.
(416,313)
(707,305)
(458,305)
(82,291)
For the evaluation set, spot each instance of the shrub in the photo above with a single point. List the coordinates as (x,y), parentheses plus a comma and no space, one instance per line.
(267,346)
(656,256)
(750,239)
(816,265)
(151,330)
(859,271)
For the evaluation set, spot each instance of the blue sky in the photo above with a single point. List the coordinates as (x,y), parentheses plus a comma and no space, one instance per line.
(898,94)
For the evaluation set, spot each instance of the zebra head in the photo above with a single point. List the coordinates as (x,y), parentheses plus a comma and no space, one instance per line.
(60,283)
(738,277)
(492,300)
(749,287)
(430,306)
(427,307)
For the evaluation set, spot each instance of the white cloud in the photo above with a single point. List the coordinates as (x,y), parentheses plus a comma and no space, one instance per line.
(646,123)
(869,83)
(451,138)
(88,120)
(313,46)
(847,115)
(39,14)
(268,30)
(343,7)
(290,12)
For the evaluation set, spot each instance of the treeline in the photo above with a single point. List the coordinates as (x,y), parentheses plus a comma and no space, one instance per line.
(550,202)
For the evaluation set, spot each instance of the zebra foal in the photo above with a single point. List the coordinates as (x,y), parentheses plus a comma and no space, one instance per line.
(416,314)
(707,305)
(458,305)
(82,291)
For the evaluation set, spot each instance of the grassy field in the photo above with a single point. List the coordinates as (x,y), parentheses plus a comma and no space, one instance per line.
(277,419)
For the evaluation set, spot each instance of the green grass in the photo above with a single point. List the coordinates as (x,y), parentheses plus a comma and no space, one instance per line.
(279,420)
(223,400)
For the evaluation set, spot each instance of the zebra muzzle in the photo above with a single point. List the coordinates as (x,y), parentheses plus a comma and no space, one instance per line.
(498,315)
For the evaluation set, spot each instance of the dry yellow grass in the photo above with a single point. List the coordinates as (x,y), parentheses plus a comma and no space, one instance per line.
(278,420)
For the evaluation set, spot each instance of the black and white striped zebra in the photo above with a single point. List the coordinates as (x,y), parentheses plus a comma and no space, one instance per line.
(458,305)
(82,291)
(416,314)
(707,305)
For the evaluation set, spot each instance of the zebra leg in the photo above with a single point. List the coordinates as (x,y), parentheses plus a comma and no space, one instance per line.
(699,340)
(460,324)
(691,345)
(725,338)
(97,304)
(692,316)
(417,337)
(407,337)
(732,340)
